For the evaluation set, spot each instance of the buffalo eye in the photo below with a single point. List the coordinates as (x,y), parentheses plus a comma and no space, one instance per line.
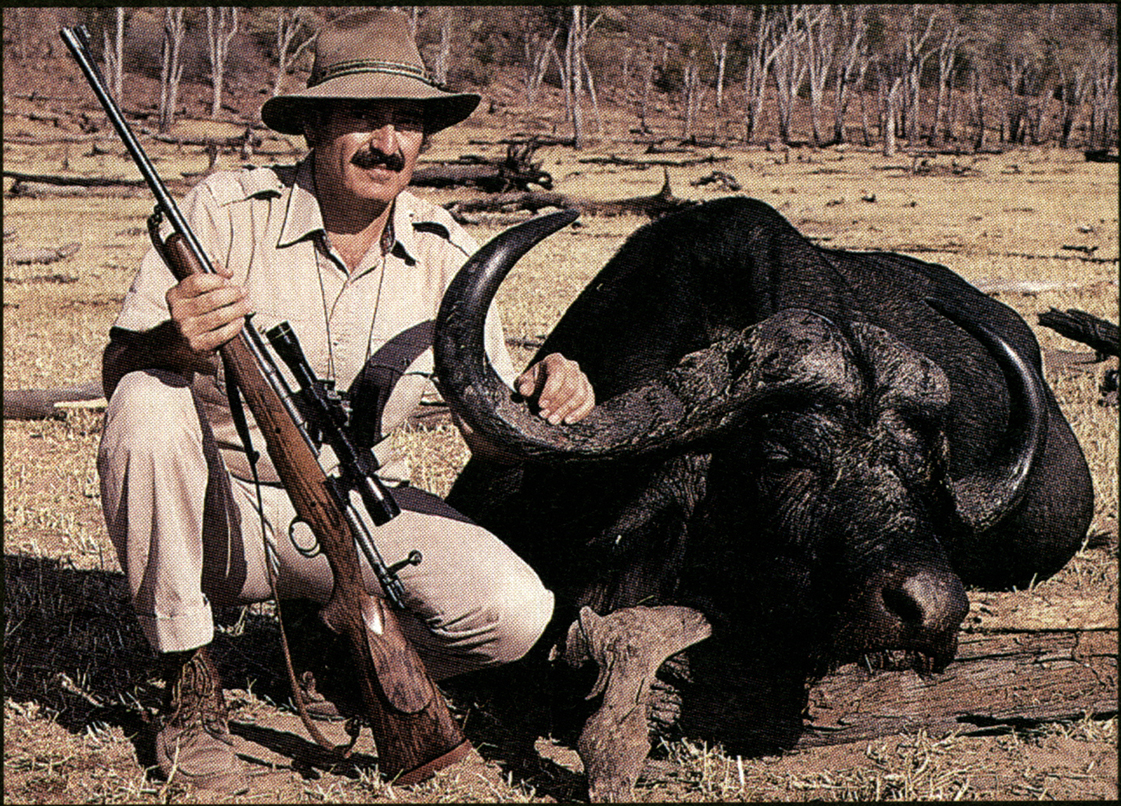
(778,457)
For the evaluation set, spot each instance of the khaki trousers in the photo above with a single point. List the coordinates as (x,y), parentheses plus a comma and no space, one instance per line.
(188,536)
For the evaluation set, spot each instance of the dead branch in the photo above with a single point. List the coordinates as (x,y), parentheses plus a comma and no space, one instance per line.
(654,206)
(1085,328)
(515,171)
(720,181)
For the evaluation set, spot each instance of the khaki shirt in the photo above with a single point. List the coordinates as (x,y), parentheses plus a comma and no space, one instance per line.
(265,225)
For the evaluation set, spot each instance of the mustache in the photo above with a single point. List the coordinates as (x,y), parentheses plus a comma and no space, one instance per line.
(372,158)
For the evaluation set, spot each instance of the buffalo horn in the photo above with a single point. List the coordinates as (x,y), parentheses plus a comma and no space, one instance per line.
(985,497)
(789,354)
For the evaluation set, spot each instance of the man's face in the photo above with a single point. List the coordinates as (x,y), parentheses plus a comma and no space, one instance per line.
(367,150)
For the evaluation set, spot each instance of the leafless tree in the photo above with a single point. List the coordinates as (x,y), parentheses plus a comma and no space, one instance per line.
(694,93)
(790,63)
(221,28)
(575,74)
(537,52)
(821,50)
(760,57)
(171,65)
(852,63)
(1076,82)
(289,24)
(647,89)
(917,54)
(443,53)
(947,55)
(891,79)
(1103,98)
(115,55)
(978,107)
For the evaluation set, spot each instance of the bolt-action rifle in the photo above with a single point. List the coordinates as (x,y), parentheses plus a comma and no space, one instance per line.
(414,732)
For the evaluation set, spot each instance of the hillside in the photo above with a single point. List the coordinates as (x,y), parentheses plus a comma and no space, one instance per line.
(970,75)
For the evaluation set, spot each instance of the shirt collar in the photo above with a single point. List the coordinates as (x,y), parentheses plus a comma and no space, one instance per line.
(303,219)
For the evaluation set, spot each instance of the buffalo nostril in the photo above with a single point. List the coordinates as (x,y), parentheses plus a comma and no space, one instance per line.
(903,606)
(931,601)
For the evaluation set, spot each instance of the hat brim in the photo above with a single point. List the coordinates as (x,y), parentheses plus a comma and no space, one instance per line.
(286,113)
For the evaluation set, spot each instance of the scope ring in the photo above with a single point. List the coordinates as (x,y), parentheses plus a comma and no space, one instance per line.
(314,550)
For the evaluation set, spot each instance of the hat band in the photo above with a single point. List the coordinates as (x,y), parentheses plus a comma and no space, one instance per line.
(369,66)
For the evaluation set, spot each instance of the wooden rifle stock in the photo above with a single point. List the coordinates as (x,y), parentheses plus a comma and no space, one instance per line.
(413,729)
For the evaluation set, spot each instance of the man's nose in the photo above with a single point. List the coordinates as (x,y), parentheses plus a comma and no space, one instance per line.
(384,138)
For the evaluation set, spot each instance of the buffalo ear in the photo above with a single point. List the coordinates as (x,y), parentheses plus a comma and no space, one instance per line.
(901,378)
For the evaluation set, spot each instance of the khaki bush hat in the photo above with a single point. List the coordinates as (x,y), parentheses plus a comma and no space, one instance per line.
(368,56)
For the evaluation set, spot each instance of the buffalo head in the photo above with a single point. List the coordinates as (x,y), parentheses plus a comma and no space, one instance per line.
(807,460)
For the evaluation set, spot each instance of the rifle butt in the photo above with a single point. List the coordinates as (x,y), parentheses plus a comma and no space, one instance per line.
(413,729)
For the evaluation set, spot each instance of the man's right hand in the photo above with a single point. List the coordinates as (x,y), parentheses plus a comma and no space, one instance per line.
(208,309)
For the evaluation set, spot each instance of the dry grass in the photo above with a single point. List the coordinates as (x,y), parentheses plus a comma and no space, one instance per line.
(77,692)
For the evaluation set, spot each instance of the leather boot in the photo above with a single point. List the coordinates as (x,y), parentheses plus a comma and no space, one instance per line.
(193,743)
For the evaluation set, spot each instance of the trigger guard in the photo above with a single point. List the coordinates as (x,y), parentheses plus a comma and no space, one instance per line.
(314,550)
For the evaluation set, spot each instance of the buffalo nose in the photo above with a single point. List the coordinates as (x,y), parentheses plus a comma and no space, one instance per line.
(928,602)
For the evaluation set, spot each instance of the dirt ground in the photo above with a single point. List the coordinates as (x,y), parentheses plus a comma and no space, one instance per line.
(1035,227)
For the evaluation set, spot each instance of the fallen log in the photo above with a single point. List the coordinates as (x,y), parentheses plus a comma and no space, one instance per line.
(631,162)
(44,404)
(74,181)
(25,257)
(1000,680)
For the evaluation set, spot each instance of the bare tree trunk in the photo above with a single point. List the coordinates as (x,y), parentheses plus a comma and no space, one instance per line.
(443,54)
(891,103)
(853,26)
(789,67)
(115,56)
(1103,96)
(821,47)
(289,21)
(947,53)
(1075,84)
(979,111)
(592,94)
(647,88)
(579,75)
(563,67)
(692,83)
(221,28)
(721,62)
(916,60)
(628,54)
(537,52)
(864,113)
(171,66)
(763,53)
(573,52)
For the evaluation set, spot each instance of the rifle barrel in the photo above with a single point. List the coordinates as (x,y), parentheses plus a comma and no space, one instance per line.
(75,39)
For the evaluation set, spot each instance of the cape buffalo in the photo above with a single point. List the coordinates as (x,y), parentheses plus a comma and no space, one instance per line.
(814,449)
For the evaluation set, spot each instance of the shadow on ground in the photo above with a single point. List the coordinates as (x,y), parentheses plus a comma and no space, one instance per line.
(73,647)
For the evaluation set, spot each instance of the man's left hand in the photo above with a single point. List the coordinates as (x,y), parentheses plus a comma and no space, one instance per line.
(561,389)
